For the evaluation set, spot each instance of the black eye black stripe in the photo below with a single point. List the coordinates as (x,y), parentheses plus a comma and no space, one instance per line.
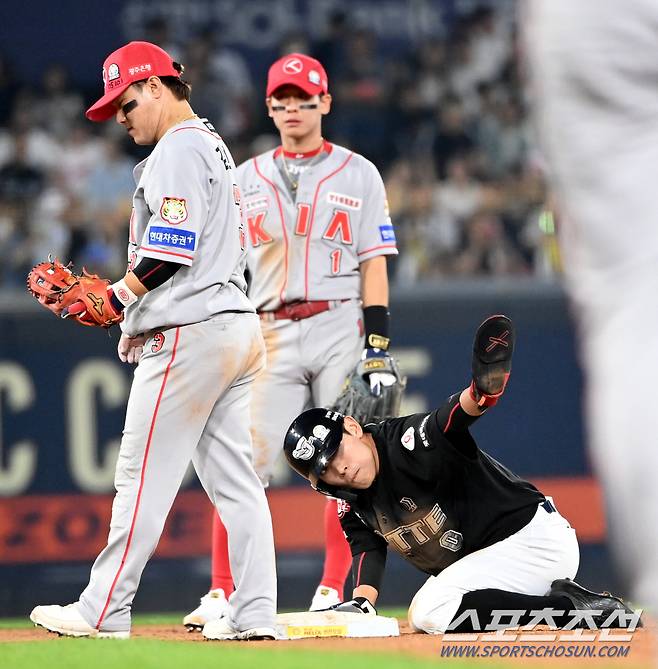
(303,105)
(128,107)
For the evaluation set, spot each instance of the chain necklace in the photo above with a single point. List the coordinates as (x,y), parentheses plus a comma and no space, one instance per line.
(294,183)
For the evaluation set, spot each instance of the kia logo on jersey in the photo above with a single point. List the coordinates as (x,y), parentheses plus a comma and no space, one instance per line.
(293,66)
(408,439)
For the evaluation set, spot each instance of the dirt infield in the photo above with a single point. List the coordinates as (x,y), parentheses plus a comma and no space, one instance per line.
(639,650)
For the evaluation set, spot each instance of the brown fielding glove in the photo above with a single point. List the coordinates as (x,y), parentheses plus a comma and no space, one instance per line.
(92,304)
(84,298)
(51,282)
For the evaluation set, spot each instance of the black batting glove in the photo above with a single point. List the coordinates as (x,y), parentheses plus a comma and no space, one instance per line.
(356,605)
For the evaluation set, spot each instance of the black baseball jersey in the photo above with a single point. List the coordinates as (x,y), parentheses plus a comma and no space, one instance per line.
(437,497)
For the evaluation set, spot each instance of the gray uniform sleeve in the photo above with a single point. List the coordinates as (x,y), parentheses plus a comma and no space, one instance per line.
(377,236)
(177,193)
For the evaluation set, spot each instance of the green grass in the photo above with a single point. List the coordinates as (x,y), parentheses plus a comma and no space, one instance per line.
(151,654)
(65,653)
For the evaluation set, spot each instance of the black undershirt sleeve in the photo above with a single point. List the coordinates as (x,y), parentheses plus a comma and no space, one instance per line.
(368,568)
(451,416)
(368,551)
(153,273)
(454,423)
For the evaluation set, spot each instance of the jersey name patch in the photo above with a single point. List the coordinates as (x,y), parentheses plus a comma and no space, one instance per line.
(344,200)
(387,233)
(409,439)
(256,203)
(182,239)
(173,210)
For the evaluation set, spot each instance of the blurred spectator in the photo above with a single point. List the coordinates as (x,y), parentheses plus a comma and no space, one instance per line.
(80,154)
(157,30)
(221,83)
(360,113)
(490,39)
(295,42)
(487,250)
(331,50)
(57,108)
(20,184)
(430,76)
(42,149)
(49,228)
(20,181)
(464,75)
(110,184)
(459,195)
(451,139)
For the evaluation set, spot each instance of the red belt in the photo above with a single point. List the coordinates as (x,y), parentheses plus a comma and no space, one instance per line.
(297,311)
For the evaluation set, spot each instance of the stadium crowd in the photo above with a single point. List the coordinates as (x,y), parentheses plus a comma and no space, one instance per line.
(447,125)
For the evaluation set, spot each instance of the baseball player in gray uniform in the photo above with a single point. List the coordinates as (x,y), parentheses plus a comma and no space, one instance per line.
(318,233)
(594,71)
(197,339)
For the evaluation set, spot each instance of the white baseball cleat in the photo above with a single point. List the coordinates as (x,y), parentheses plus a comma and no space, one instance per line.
(323,598)
(212,607)
(67,621)
(222,630)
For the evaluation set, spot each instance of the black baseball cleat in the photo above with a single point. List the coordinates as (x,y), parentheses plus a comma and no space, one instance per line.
(586,600)
(493,348)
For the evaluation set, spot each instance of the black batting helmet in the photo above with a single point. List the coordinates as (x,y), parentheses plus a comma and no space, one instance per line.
(311,441)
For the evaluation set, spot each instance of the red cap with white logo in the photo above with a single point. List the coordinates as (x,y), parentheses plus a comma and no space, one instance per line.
(298,69)
(133,62)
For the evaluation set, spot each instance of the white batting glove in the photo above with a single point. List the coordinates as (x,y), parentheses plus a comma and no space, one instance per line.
(379,379)
(130,349)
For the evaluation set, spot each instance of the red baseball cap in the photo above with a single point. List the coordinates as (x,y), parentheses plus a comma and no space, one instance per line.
(298,70)
(133,62)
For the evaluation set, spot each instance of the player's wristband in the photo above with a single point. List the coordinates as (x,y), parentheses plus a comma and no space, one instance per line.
(121,296)
(377,320)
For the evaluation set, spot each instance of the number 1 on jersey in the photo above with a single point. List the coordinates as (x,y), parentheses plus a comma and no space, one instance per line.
(335,261)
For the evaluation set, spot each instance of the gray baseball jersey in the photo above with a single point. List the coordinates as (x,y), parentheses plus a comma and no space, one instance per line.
(191,392)
(308,245)
(189,215)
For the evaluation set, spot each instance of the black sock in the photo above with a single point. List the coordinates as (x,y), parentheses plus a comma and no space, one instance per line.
(483,602)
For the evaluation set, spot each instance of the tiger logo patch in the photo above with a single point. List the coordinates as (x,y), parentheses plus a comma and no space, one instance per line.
(173,210)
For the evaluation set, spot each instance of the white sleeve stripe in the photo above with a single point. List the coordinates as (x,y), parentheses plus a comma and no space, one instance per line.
(168,253)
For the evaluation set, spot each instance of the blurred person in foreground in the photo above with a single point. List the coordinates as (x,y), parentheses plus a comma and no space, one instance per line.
(595,75)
